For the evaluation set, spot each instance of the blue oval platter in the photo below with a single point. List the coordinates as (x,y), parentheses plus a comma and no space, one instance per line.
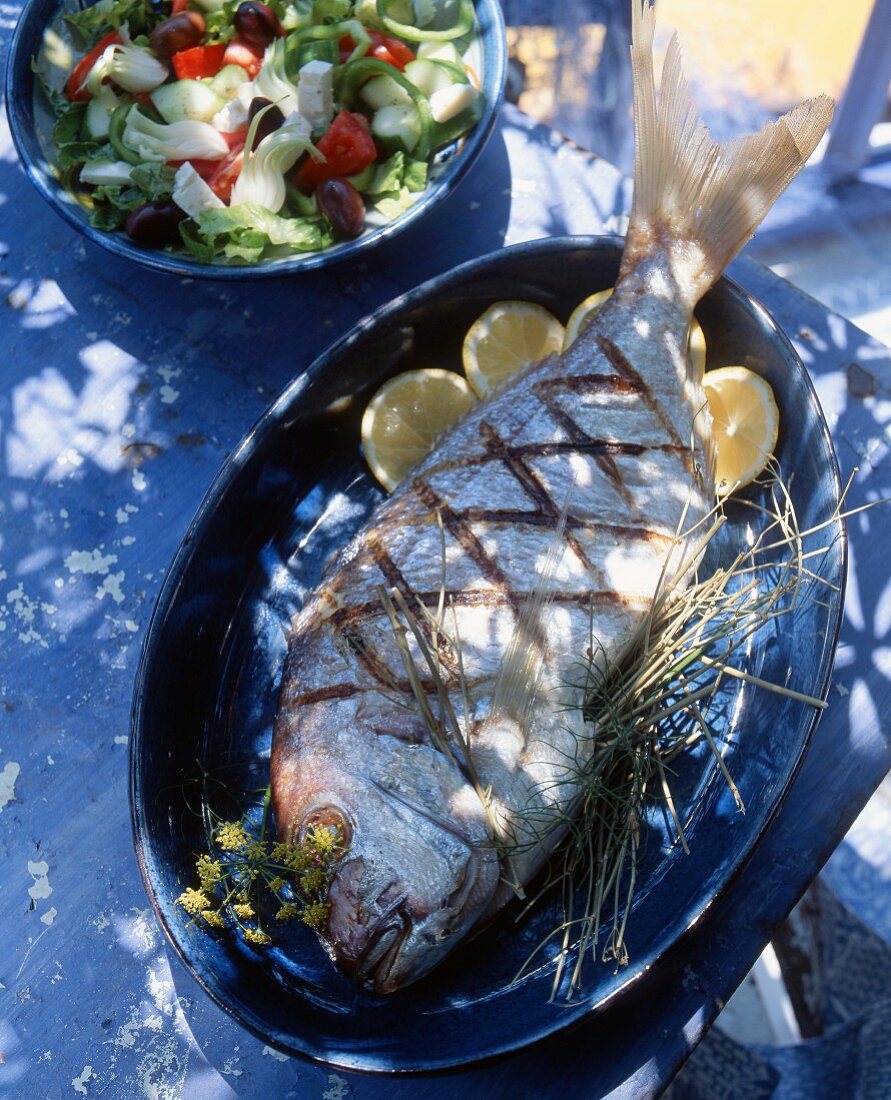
(291,495)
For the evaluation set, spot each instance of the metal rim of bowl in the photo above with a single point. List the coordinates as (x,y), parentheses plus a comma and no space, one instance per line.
(20,91)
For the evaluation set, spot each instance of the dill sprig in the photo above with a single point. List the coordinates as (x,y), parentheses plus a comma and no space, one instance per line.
(650,705)
(246,877)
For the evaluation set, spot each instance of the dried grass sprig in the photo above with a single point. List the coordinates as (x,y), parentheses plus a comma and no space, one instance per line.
(652,704)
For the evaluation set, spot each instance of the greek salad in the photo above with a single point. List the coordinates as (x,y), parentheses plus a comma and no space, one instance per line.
(241,130)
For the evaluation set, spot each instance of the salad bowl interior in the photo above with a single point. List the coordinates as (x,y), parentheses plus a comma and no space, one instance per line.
(43,50)
(289,497)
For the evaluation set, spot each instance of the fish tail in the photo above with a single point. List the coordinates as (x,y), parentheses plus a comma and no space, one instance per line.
(703,193)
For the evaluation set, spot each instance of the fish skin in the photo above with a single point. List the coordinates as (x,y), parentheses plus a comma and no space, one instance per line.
(588,428)
(609,444)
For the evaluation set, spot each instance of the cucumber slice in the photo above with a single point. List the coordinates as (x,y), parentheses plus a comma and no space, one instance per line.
(228,81)
(427,76)
(318,50)
(439,51)
(382,91)
(187,100)
(397,127)
(443,132)
(98,114)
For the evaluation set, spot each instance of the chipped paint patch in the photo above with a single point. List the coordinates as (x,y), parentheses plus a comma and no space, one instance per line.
(111,586)
(7,783)
(79,1084)
(168,395)
(338,1088)
(90,562)
(271,1052)
(49,916)
(24,611)
(39,870)
(228,1067)
(122,739)
(137,933)
(138,481)
(169,373)
(122,515)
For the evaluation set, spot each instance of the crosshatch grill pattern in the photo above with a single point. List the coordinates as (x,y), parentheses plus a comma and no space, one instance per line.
(593,379)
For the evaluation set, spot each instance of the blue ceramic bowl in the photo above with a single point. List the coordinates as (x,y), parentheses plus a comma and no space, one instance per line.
(293,492)
(31,123)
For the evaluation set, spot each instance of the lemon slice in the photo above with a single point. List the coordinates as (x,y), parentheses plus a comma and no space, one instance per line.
(508,337)
(745,424)
(585,309)
(406,417)
(581,313)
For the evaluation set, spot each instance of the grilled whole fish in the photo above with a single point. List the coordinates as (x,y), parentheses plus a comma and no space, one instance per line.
(431,705)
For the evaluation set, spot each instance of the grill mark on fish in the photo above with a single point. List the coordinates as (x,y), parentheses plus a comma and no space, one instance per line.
(456,524)
(588,384)
(535,488)
(324,694)
(612,384)
(436,640)
(512,516)
(373,665)
(623,365)
(486,597)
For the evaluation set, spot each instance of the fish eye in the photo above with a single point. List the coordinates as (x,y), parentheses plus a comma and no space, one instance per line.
(328,816)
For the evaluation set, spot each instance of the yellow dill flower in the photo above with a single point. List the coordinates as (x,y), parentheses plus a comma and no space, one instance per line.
(276,884)
(244,910)
(210,871)
(255,935)
(288,911)
(232,836)
(256,851)
(193,901)
(213,918)
(324,840)
(291,855)
(313,880)
(315,914)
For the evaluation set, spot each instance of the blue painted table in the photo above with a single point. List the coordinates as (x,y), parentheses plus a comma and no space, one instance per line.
(121,392)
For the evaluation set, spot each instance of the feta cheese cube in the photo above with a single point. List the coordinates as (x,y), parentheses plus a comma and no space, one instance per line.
(315,94)
(191,193)
(448,102)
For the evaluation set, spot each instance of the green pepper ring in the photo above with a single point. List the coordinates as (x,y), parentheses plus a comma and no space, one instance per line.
(416,34)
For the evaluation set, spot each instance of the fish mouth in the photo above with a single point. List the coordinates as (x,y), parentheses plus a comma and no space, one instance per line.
(374,966)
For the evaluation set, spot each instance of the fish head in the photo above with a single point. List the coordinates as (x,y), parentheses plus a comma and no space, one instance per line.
(416,875)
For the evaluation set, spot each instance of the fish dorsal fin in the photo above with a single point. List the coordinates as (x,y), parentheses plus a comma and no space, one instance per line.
(684,181)
(518,676)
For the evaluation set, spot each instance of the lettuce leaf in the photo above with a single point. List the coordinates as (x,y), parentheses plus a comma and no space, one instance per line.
(107,15)
(245,231)
(219,25)
(71,147)
(112,204)
(395,184)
